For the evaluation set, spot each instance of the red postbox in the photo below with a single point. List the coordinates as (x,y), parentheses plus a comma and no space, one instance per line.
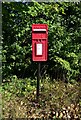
(39,42)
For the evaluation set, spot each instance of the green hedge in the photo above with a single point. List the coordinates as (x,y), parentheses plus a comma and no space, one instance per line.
(64,21)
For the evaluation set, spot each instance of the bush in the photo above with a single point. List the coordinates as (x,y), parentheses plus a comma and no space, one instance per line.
(18,87)
(64,36)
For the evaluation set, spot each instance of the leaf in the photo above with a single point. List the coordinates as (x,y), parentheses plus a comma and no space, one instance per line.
(13,57)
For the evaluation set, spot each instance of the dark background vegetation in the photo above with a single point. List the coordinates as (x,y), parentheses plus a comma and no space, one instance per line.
(64,22)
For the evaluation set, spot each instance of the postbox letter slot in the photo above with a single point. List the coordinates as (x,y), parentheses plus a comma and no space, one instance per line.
(41,30)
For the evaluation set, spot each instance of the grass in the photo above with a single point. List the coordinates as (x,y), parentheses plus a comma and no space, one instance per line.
(57,100)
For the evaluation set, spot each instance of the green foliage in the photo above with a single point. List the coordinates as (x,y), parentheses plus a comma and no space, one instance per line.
(64,21)
(17,87)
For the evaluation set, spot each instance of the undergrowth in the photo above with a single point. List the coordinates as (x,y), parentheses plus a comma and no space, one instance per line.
(56,100)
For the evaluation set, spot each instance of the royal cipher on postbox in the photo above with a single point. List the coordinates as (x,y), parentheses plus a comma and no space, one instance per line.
(39,42)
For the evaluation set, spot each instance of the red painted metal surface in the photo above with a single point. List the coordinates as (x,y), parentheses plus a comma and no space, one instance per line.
(39,42)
